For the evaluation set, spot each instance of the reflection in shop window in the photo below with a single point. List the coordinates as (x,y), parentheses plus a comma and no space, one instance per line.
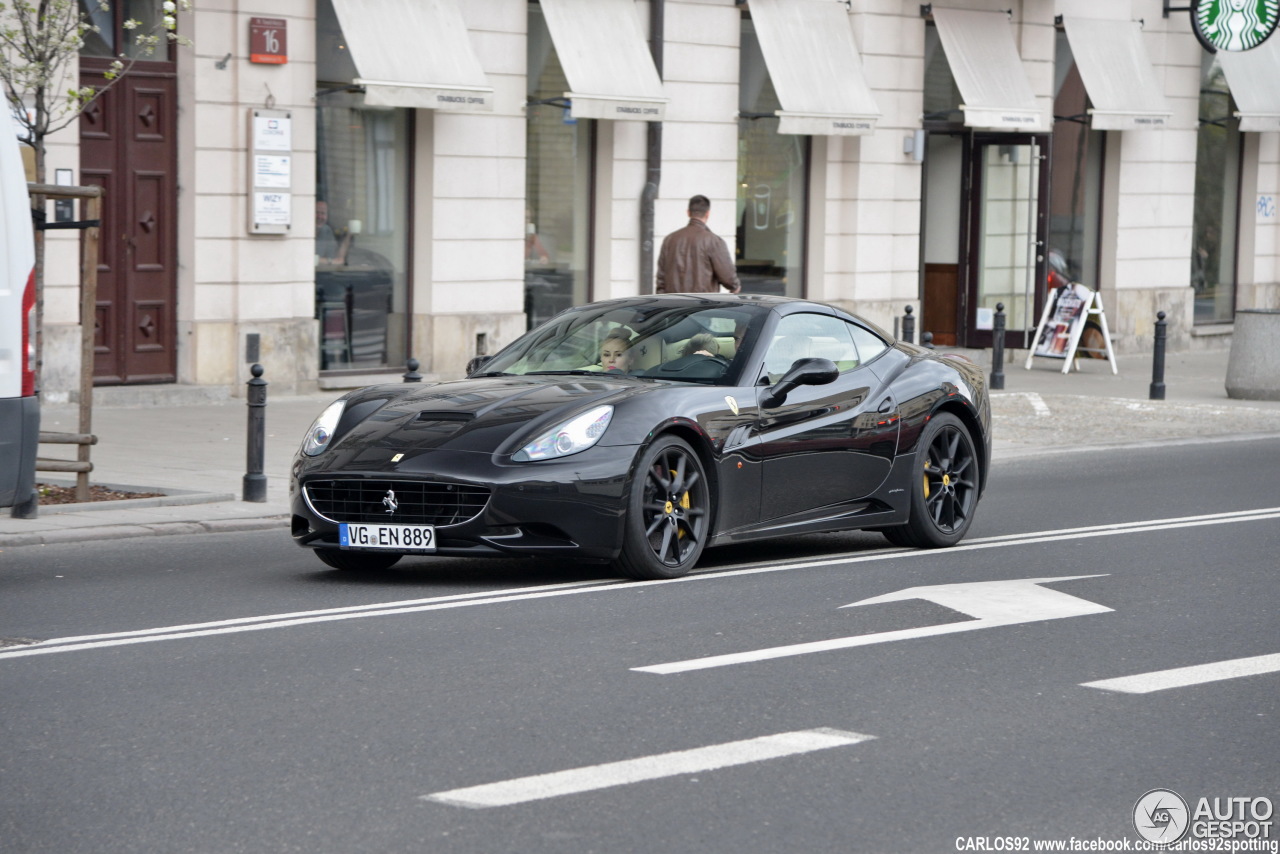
(1076,180)
(773,172)
(1217,199)
(362,172)
(557,185)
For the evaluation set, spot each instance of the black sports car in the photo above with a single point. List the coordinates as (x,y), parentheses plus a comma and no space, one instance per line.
(642,430)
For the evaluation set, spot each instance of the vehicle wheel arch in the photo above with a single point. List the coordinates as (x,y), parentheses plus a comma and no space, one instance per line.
(970,421)
(701,445)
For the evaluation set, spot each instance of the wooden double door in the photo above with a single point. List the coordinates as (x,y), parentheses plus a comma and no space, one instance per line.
(128,146)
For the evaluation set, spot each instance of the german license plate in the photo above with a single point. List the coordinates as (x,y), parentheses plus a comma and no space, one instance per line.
(418,538)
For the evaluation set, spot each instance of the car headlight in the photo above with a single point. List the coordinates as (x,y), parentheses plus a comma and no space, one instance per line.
(576,434)
(321,432)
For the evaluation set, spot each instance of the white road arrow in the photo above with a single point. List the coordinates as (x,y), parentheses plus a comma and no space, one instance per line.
(990,603)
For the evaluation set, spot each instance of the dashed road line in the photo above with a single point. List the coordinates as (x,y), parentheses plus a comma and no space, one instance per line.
(697,760)
(1182,677)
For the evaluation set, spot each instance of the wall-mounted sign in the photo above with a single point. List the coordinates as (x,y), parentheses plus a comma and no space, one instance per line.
(270,171)
(1234,25)
(269,40)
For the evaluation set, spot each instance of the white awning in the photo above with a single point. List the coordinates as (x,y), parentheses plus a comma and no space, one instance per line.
(413,53)
(1118,75)
(815,67)
(602,50)
(1254,78)
(985,63)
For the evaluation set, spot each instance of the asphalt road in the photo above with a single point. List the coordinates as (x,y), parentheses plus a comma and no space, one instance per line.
(228,693)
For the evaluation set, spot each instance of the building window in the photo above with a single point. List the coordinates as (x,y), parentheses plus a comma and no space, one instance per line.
(558,186)
(1217,199)
(773,178)
(112,38)
(362,215)
(1076,176)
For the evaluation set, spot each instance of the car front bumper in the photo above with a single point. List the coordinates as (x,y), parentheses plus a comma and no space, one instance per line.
(568,507)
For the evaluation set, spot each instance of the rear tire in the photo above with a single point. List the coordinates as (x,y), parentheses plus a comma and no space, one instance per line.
(944,495)
(668,512)
(357,561)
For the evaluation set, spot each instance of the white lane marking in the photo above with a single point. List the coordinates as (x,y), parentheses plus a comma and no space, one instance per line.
(699,759)
(992,603)
(1198,674)
(278,621)
(1037,403)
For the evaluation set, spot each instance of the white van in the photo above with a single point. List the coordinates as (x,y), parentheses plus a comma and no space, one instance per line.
(19,405)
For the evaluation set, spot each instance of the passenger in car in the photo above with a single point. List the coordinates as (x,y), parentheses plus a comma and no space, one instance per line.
(615,352)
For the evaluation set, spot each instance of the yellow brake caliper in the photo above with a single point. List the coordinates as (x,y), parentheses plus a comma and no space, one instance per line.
(926,478)
(684,502)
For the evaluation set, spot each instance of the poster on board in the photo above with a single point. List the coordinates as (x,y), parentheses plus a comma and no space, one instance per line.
(1062,322)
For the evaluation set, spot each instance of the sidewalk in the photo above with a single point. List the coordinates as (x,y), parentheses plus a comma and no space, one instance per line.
(194,450)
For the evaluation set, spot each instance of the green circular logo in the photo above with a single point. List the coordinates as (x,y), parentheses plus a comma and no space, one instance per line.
(1234,25)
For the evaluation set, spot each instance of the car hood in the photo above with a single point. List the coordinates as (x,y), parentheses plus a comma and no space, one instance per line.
(485,415)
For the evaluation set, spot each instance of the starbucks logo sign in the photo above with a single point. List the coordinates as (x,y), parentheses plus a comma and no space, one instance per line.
(1234,24)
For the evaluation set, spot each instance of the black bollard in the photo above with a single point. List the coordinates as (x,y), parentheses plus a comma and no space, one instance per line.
(997,349)
(926,340)
(1157,359)
(255,482)
(909,327)
(412,376)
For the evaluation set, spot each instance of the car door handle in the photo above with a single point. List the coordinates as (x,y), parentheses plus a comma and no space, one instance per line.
(886,406)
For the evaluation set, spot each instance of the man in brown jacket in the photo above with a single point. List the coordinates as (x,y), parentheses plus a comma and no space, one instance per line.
(695,259)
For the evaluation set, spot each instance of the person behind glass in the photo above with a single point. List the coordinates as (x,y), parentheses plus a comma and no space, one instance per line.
(702,344)
(534,250)
(615,352)
(695,259)
(329,250)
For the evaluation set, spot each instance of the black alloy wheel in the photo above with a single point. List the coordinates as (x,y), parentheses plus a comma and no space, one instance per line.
(357,561)
(668,514)
(945,494)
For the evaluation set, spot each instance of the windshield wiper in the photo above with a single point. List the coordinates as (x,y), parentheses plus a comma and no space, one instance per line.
(492,374)
(574,373)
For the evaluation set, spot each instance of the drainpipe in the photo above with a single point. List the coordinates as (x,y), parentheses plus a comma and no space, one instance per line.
(653,157)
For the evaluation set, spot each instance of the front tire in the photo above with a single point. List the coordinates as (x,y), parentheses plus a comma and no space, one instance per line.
(944,495)
(668,512)
(357,561)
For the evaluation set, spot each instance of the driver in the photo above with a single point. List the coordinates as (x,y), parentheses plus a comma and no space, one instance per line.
(699,358)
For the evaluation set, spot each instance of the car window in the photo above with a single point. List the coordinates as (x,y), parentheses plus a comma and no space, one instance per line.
(868,343)
(654,340)
(800,336)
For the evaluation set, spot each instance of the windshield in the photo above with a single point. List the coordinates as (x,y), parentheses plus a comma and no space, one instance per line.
(684,341)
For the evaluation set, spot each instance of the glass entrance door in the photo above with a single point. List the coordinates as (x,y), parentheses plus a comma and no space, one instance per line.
(1008,204)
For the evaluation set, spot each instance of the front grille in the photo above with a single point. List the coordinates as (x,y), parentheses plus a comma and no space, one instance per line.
(418,502)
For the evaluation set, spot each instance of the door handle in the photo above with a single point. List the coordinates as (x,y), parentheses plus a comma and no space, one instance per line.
(886,406)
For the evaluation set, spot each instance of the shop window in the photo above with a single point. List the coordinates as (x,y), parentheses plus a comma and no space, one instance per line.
(558,186)
(1076,176)
(773,178)
(941,94)
(362,216)
(1217,199)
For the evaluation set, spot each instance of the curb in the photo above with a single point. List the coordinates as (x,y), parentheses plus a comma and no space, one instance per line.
(176,500)
(120,532)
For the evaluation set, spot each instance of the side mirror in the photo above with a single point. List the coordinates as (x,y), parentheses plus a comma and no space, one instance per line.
(802,372)
(476,363)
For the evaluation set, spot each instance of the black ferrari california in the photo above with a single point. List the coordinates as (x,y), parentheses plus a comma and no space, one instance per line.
(643,430)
